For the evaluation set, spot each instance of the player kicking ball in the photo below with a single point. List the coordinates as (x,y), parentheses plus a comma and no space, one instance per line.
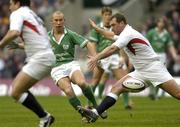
(148,67)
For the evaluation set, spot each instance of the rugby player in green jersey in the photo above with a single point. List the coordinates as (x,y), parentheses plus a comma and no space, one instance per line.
(67,69)
(161,42)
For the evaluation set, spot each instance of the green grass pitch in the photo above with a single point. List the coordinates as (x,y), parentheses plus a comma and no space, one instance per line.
(146,113)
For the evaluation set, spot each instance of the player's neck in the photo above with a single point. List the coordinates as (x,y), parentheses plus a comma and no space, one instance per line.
(58,31)
(160,30)
(107,25)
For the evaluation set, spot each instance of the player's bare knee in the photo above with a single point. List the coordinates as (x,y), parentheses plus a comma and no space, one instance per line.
(68,90)
(117,89)
(177,95)
(81,83)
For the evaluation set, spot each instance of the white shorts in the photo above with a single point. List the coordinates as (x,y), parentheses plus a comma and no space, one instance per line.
(162,57)
(65,70)
(156,74)
(112,62)
(36,70)
(39,67)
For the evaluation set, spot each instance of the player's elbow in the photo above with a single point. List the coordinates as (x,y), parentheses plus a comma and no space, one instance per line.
(113,48)
(14,33)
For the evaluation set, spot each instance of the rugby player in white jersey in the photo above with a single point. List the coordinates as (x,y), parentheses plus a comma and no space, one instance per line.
(40,57)
(111,64)
(145,61)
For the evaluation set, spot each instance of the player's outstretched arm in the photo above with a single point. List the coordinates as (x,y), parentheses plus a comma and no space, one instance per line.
(91,49)
(11,35)
(93,60)
(107,34)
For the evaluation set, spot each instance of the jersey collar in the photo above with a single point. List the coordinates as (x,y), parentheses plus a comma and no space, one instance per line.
(59,41)
(102,26)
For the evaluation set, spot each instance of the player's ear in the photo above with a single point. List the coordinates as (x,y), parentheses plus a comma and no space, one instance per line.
(18,4)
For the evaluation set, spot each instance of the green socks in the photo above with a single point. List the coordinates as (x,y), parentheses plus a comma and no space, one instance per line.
(89,95)
(74,102)
(101,89)
(126,99)
(94,88)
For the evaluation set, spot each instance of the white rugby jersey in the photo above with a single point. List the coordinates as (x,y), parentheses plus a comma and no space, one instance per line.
(32,32)
(137,47)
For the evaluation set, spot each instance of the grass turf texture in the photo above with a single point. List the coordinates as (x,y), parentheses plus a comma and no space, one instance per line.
(147,113)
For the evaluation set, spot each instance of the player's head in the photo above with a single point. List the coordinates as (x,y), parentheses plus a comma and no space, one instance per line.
(161,23)
(118,22)
(15,4)
(58,20)
(106,13)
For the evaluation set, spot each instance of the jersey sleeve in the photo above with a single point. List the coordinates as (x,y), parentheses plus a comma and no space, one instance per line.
(16,21)
(79,40)
(122,40)
(93,36)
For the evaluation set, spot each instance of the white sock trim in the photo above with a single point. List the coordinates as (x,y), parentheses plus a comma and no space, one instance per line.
(95,111)
(23,97)
(113,96)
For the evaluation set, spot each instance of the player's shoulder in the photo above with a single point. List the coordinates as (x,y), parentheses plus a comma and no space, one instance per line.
(152,31)
(70,32)
(20,12)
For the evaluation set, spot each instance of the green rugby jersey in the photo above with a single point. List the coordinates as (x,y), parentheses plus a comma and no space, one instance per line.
(64,49)
(100,40)
(159,41)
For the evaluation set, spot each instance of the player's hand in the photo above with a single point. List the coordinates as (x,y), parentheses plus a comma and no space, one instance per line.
(177,60)
(92,63)
(13,45)
(92,23)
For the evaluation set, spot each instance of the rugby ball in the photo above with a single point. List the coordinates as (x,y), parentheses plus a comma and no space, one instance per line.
(134,85)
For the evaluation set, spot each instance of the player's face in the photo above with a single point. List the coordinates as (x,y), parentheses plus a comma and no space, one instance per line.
(116,27)
(161,24)
(106,17)
(13,6)
(58,20)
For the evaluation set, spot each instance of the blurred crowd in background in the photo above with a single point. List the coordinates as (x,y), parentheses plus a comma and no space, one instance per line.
(11,61)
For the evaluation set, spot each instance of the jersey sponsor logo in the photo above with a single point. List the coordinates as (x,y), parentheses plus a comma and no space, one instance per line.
(65,47)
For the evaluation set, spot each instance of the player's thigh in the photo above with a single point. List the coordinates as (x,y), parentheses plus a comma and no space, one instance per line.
(78,77)
(172,88)
(65,85)
(22,83)
(30,74)
(119,73)
(37,70)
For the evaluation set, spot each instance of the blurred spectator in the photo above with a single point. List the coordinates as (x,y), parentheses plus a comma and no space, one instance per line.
(153,4)
(45,9)
(101,3)
(113,2)
(174,7)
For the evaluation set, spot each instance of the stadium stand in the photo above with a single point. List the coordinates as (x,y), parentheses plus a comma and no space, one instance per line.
(11,61)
